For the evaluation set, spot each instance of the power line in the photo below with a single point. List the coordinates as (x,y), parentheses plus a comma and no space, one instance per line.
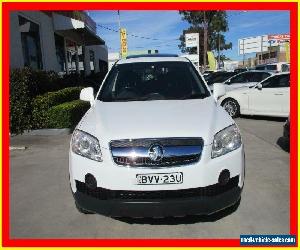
(136,36)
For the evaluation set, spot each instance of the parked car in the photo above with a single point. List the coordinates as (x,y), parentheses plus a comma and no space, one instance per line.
(220,76)
(271,97)
(154,144)
(286,129)
(240,70)
(245,79)
(207,72)
(274,67)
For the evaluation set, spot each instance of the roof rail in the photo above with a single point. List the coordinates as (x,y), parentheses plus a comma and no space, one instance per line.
(152,55)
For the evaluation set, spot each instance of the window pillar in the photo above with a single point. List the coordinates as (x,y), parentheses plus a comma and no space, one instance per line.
(77,59)
(66,57)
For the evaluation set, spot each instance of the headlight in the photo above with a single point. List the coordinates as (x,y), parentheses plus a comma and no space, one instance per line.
(86,145)
(226,141)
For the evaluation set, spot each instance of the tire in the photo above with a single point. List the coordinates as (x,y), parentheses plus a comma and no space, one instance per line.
(232,107)
(82,210)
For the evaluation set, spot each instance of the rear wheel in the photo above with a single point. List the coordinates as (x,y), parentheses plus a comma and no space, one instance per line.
(232,107)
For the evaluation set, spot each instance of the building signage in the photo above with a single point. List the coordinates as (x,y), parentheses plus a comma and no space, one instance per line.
(275,40)
(253,44)
(191,40)
(123,37)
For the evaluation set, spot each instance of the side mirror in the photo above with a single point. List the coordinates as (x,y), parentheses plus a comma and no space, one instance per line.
(219,90)
(259,86)
(87,94)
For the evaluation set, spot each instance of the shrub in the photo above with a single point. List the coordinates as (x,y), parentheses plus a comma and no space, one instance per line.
(25,84)
(67,115)
(20,105)
(43,103)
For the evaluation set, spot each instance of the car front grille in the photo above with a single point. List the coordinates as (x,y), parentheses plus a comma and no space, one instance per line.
(175,151)
(106,194)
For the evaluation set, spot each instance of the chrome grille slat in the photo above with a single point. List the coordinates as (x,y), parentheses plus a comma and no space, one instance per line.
(177,151)
(147,142)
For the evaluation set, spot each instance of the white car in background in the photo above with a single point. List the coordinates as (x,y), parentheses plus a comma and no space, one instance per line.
(271,97)
(274,67)
(245,79)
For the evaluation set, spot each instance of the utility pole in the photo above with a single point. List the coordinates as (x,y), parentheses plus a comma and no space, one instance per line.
(205,39)
(119,23)
(218,50)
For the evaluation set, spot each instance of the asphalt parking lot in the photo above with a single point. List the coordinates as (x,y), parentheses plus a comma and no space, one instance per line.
(42,205)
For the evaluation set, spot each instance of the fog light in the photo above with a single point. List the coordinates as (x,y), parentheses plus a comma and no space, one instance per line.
(90,181)
(224,177)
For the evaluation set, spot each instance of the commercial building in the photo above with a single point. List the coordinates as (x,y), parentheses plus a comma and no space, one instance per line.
(62,41)
(267,49)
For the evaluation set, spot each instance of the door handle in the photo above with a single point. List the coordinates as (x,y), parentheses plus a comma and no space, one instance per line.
(278,94)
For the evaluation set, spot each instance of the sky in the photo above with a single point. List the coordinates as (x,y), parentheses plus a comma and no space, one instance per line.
(163,28)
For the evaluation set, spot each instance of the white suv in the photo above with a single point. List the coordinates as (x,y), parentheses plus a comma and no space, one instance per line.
(155,143)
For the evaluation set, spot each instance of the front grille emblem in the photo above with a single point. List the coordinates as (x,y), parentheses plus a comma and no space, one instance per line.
(156,152)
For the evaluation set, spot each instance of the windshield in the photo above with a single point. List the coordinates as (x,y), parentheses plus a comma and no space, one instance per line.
(153,81)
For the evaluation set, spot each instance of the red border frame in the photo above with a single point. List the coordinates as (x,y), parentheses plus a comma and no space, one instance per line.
(7,7)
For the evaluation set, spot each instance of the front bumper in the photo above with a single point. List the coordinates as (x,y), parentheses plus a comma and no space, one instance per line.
(199,201)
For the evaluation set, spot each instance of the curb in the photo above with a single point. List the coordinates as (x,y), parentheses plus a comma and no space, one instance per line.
(54,131)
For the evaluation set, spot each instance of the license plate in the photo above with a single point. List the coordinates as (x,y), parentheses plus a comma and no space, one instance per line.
(159,179)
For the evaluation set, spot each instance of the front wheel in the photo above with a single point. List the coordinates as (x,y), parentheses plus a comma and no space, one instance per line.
(232,107)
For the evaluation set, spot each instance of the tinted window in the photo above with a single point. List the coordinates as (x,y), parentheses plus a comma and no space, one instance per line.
(258,76)
(239,78)
(271,67)
(278,81)
(260,67)
(221,77)
(153,81)
(285,68)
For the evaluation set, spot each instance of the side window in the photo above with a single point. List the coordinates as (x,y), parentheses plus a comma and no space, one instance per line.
(255,77)
(264,76)
(259,76)
(260,67)
(238,79)
(270,82)
(279,81)
(285,68)
(284,81)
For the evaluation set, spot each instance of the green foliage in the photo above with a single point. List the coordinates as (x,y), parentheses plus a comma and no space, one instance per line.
(67,115)
(41,104)
(216,22)
(21,89)
(25,84)
(28,85)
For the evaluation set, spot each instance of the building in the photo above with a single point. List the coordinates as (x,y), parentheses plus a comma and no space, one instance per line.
(274,54)
(63,41)
(267,48)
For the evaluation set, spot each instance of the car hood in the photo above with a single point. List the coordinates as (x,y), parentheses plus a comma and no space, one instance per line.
(155,119)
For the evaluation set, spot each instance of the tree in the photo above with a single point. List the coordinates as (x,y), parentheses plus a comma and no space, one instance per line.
(209,25)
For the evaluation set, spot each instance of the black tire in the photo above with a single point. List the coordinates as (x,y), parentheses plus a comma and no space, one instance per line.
(82,210)
(232,107)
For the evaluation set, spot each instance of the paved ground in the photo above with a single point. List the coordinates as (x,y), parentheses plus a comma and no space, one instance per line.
(42,205)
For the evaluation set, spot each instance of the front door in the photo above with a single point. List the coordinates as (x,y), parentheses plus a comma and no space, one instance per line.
(273,98)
